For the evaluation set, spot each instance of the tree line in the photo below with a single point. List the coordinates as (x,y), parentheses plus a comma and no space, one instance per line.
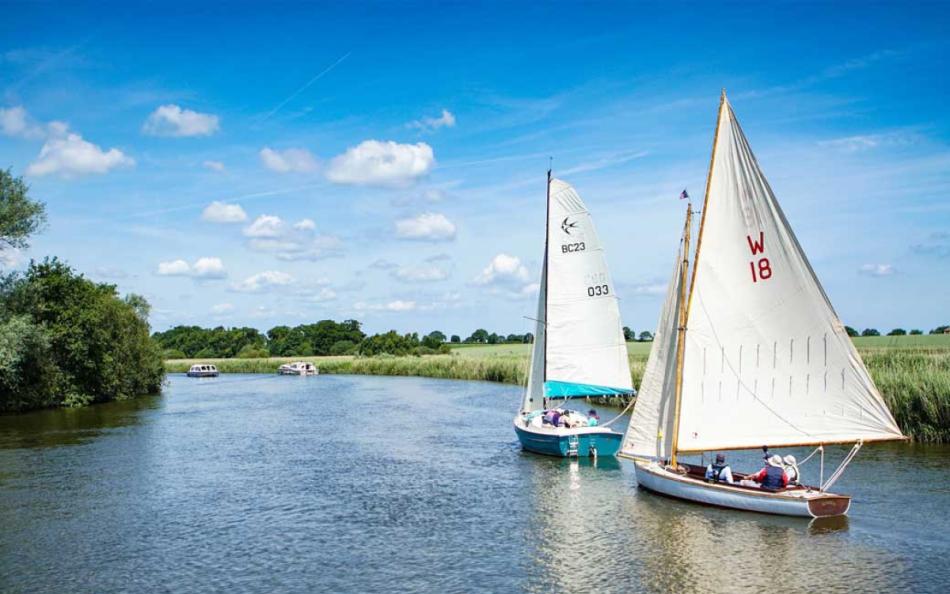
(65,340)
(895,332)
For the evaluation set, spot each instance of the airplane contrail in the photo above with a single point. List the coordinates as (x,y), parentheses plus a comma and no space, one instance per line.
(306,86)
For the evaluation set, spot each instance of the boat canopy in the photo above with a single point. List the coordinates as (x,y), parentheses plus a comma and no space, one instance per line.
(555,389)
(579,343)
(766,361)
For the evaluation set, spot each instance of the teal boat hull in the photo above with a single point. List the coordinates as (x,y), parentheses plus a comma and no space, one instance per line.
(606,443)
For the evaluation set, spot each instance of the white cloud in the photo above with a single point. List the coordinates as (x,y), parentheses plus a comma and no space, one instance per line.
(877,269)
(265,226)
(373,162)
(271,234)
(214,165)
(174,268)
(292,160)
(324,294)
(262,281)
(222,212)
(222,308)
(10,257)
(427,227)
(446,120)
(71,155)
(204,268)
(423,273)
(208,268)
(15,121)
(503,268)
(172,120)
(394,306)
(305,225)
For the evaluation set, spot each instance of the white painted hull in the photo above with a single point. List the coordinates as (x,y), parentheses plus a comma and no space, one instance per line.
(798,502)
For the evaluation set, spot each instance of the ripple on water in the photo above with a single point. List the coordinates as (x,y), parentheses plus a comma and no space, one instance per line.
(372,484)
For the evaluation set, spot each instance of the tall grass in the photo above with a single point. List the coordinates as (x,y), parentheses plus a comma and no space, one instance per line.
(914,381)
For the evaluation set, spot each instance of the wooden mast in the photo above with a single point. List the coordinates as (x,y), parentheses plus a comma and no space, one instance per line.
(681,333)
(686,302)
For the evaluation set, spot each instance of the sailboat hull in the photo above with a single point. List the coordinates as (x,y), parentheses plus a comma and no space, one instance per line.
(562,442)
(801,502)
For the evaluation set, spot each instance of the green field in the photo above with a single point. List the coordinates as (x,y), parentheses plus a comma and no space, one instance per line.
(912,372)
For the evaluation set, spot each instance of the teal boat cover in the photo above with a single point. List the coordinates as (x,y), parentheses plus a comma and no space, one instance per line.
(555,389)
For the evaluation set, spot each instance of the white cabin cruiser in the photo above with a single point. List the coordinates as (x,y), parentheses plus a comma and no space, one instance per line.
(203,370)
(298,368)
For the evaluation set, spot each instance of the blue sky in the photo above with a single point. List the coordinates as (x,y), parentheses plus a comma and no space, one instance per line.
(245,165)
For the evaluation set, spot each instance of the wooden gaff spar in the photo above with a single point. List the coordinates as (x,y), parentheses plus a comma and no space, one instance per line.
(750,353)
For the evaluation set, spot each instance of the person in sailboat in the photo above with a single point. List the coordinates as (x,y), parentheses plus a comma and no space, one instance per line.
(791,469)
(719,471)
(772,476)
(592,418)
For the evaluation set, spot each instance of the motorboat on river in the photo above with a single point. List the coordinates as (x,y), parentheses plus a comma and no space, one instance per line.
(298,368)
(203,370)
(579,350)
(749,352)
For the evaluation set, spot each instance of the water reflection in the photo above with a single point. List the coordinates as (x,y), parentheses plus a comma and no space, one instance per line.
(69,426)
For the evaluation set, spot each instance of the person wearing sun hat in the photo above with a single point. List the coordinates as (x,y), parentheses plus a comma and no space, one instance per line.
(772,476)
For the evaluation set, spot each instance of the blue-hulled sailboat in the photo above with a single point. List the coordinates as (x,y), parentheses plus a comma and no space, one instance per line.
(579,348)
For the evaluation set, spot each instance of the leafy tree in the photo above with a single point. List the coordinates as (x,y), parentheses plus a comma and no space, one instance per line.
(343,347)
(456,339)
(915,332)
(939,330)
(20,216)
(851,331)
(494,338)
(870,332)
(391,343)
(646,336)
(250,351)
(628,334)
(480,336)
(97,343)
(897,332)
(529,338)
(434,339)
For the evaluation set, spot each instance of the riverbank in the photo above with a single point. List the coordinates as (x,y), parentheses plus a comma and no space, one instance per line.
(914,380)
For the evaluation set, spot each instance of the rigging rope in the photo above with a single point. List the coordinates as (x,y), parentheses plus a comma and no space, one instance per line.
(622,413)
(847,460)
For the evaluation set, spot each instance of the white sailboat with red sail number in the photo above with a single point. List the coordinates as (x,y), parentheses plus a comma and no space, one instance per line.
(748,352)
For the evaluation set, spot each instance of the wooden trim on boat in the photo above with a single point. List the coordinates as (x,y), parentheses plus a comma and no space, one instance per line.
(797,444)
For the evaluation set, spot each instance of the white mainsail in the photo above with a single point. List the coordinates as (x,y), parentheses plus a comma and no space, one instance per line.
(651,426)
(582,350)
(766,361)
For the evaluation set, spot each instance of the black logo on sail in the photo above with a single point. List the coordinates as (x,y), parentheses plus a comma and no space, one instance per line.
(567,226)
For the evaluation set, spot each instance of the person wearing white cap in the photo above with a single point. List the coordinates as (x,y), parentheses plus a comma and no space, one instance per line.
(791,469)
(772,476)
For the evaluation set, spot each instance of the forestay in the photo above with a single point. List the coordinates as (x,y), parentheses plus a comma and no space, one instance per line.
(767,361)
(583,345)
(651,427)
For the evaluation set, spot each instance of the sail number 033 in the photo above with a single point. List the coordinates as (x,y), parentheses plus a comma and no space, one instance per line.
(597,290)
(761,268)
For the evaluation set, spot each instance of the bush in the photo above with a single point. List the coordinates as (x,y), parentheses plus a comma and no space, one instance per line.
(870,332)
(343,347)
(252,352)
(173,354)
(897,332)
(96,346)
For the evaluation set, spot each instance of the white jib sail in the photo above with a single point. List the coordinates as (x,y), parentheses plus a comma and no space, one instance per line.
(534,395)
(650,431)
(584,334)
(767,361)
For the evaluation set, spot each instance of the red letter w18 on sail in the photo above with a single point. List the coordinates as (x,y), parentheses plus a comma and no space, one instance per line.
(761,270)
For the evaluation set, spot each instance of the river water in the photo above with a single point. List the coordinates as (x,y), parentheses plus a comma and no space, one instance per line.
(379,484)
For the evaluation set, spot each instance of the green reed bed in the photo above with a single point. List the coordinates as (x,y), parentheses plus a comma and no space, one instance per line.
(915,382)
